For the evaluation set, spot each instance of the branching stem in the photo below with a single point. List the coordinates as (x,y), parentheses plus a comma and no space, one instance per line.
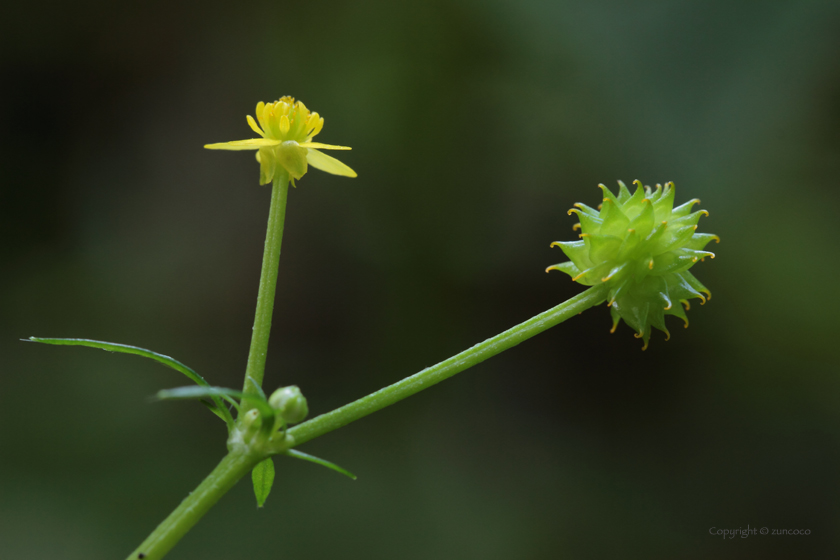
(237,463)
(227,473)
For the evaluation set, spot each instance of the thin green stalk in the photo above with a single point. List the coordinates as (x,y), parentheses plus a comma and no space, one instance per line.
(227,473)
(339,417)
(236,465)
(268,284)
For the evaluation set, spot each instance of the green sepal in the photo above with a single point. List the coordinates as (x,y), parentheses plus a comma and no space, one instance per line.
(614,222)
(688,220)
(639,195)
(616,318)
(268,164)
(623,193)
(684,209)
(665,203)
(697,285)
(682,289)
(655,195)
(608,195)
(263,478)
(602,247)
(694,255)
(657,233)
(699,241)
(629,245)
(643,223)
(576,251)
(635,204)
(594,275)
(588,210)
(619,271)
(677,310)
(293,158)
(617,289)
(318,461)
(588,222)
(673,261)
(673,238)
(568,267)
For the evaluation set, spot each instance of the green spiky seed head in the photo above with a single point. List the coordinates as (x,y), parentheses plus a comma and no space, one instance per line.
(641,247)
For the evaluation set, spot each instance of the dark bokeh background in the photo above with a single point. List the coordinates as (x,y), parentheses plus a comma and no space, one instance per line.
(475,125)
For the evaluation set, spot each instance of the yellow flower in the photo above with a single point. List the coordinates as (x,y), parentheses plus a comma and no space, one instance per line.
(287,129)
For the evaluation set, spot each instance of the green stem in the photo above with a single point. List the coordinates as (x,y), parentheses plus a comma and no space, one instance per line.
(236,465)
(339,417)
(227,473)
(268,284)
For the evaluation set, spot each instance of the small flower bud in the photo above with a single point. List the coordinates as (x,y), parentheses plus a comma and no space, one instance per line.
(246,428)
(250,421)
(290,404)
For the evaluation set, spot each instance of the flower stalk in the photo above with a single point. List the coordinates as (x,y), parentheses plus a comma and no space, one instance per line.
(257,354)
(391,394)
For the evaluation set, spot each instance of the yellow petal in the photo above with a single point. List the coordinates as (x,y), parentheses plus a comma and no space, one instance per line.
(323,146)
(318,125)
(284,124)
(250,144)
(329,164)
(259,113)
(271,120)
(254,126)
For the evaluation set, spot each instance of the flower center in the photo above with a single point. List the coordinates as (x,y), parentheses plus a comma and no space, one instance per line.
(286,120)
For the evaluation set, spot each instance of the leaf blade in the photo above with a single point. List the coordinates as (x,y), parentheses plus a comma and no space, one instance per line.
(125,349)
(263,478)
(318,461)
(194,392)
(190,373)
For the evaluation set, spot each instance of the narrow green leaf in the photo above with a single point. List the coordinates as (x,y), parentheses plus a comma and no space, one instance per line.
(126,349)
(191,392)
(257,389)
(215,410)
(263,478)
(324,463)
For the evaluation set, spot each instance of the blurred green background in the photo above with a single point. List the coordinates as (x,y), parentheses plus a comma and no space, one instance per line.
(475,126)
